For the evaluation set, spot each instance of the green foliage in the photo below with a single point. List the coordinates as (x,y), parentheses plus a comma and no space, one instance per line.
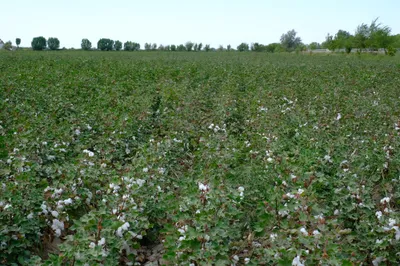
(86,45)
(189,46)
(314,46)
(199,47)
(53,43)
(147,46)
(17,41)
(117,45)
(243,47)
(181,48)
(105,44)
(207,48)
(8,46)
(38,43)
(290,41)
(173,47)
(228,47)
(215,158)
(391,51)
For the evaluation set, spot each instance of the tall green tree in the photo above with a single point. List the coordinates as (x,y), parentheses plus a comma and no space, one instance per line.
(86,44)
(118,45)
(154,47)
(199,47)
(243,47)
(105,44)
(38,43)
(313,46)
(189,46)
(290,41)
(207,48)
(173,47)
(18,41)
(181,48)
(8,46)
(228,47)
(53,43)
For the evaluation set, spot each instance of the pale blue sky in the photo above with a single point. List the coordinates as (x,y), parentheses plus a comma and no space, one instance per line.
(175,21)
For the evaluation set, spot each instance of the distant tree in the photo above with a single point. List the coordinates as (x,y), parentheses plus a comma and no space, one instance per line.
(273,48)
(290,41)
(189,46)
(243,47)
(86,44)
(396,41)
(168,48)
(131,46)
(38,43)
(329,43)
(256,47)
(53,43)
(154,47)
(147,46)
(8,46)
(207,48)
(199,47)
(313,46)
(220,48)
(361,36)
(228,48)
(118,45)
(18,42)
(195,47)
(173,47)
(105,44)
(181,48)
(161,47)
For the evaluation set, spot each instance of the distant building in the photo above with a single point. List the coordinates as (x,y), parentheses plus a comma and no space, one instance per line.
(1,44)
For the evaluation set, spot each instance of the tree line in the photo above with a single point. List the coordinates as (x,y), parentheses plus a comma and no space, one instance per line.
(365,38)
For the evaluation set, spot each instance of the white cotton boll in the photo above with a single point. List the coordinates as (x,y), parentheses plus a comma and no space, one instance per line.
(379,241)
(145,170)
(91,154)
(240,189)
(77,132)
(203,187)
(270,160)
(159,189)
(304,231)
(397,236)
(68,201)
(297,262)
(182,238)
(8,206)
(92,245)
(89,127)
(102,241)
(235,258)
(300,191)
(338,117)
(103,165)
(182,231)
(125,226)
(140,182)
(336,212)
(246,261)
(385,200)
(273,236)
(30,216)
(376,261)
(54,213)
(392,222)
(316,233)
(119,232)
